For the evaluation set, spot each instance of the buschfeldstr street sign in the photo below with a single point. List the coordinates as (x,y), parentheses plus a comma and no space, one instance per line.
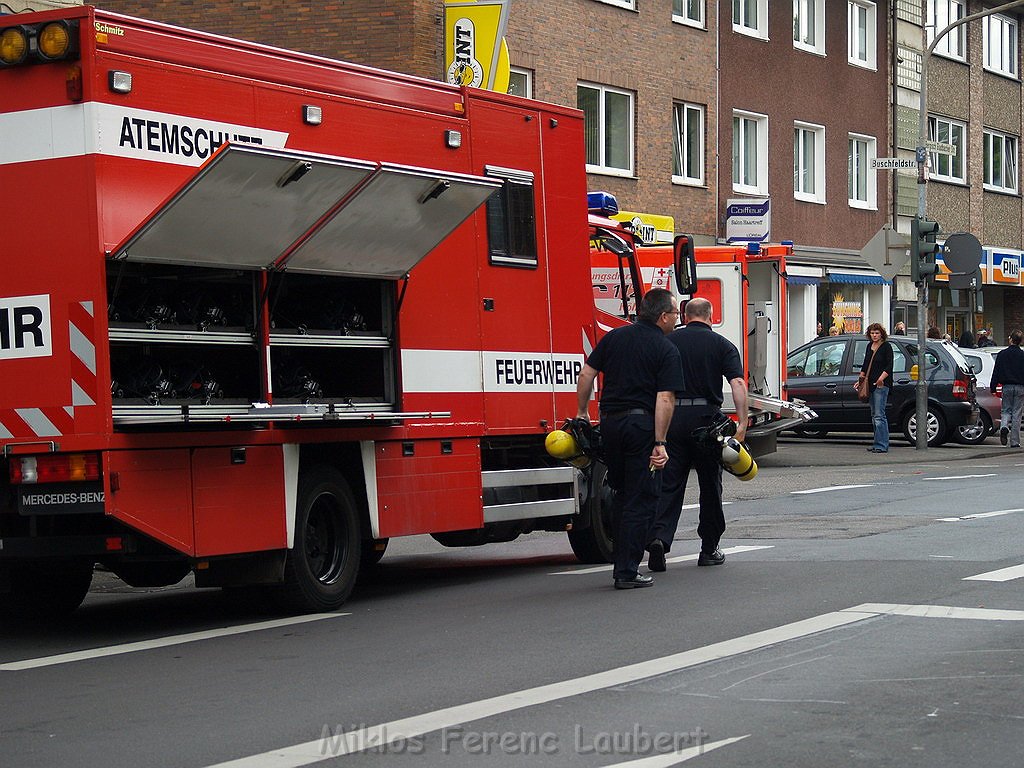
(893,163)
(887,252)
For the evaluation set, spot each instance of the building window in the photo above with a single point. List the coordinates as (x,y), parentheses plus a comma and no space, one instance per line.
(750,153)
(1001,44)
(947,166)
(1000,162)
(809,25)
(520,82)
(750,17)
(863,178)
(608,126)
(688,147)
(861,29)
(630,4)
(511,219)
(942,13)
(809,162)
(688,12)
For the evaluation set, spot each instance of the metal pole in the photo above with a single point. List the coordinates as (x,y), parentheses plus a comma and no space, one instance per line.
(922,205)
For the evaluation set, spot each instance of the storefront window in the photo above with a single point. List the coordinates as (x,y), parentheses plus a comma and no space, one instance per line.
(841,308)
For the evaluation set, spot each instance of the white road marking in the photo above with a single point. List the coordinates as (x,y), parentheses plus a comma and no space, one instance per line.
(977,515)
(939,612)
(1003,574)
(832,488)
(679,559)
(669,759)
(162,642)
(369,737)
(959,477)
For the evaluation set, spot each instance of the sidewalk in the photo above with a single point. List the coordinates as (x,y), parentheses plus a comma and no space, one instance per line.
(845,449)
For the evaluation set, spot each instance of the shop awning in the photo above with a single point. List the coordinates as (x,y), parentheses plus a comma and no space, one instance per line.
(802,280)
(848,277)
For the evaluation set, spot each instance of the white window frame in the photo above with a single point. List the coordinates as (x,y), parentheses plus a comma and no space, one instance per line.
(627,4)
(742,23)
(854,162)
(939,15)
(802,29)
(687,112)
(857,53)
(738,143)
(684,16)
(934,124)
(997,58)
(808,186)
(527,75)
(602,167)
(1009,165)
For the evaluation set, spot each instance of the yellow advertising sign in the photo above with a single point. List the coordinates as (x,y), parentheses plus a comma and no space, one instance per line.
(651,227)
(475,53)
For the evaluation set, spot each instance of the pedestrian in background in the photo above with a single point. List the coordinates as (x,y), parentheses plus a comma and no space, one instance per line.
(1009,372)
(641,375)
(934,333)
(899,329)
(877,368)
(966,340)
(706,358)
(984,340)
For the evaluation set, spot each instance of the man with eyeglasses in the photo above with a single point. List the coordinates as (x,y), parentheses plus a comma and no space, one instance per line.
(641,375)
(706,358)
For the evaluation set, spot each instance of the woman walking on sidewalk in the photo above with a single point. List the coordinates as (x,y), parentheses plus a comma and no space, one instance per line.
(877,369)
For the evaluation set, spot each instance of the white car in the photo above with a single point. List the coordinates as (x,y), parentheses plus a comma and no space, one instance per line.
(983,362)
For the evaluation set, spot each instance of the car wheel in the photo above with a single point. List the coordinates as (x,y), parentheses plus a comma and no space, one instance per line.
(936,428)
(975,434)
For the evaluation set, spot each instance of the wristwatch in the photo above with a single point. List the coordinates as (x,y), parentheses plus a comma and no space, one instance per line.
(660,442)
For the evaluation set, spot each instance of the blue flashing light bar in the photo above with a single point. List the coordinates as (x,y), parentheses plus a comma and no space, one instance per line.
(753,247)
(603,203)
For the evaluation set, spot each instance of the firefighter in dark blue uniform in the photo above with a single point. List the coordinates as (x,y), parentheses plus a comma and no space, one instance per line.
(641,374)
(706,358)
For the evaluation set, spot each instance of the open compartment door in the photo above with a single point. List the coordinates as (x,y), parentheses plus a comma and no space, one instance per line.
(391,223)
(244,208)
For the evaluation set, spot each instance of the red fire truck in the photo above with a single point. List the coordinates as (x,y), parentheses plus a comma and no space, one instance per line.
(746,286)
(263,311)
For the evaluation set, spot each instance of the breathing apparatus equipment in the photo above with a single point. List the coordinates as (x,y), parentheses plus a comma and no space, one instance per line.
(576,443)
(734,457)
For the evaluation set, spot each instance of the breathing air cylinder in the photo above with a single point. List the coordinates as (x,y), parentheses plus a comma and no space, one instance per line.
(736,460)
(561,445)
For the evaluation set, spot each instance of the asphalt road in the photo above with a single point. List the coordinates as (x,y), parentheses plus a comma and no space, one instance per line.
(865,615)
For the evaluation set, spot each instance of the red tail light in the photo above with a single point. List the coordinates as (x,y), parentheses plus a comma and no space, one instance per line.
(960,389)
(55,468)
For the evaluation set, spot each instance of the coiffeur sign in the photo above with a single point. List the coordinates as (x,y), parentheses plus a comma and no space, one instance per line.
(475,53)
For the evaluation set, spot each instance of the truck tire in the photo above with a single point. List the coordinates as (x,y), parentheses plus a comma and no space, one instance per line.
(594,541)
(936,428)
(46,591)
(321,569)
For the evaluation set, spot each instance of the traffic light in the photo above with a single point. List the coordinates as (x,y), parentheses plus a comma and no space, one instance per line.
(922,248)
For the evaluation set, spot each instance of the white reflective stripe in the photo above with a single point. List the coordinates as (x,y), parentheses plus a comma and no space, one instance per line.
(78,396)
(436,370)
(44,134)
(83,348)
(4,432)
(87,306)
(112,129)
(37,422)
(445,370)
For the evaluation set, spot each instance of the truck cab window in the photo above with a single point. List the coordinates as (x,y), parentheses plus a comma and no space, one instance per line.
(511,220)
